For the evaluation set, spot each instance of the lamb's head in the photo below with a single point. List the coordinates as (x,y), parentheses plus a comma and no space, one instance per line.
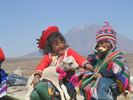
(69,62)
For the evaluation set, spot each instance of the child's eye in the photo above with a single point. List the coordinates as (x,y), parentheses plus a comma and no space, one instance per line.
(55,42)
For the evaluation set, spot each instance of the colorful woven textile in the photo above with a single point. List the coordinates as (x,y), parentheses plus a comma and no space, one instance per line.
(3,83)
(89,84)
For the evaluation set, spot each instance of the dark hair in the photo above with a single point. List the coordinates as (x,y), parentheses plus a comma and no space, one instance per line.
(51,38)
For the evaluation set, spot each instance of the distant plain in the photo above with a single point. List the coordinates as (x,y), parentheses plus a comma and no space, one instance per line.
(28,65)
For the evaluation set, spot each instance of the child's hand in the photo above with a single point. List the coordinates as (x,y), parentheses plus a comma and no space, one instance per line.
(35,80)
(97,75)
(89,67)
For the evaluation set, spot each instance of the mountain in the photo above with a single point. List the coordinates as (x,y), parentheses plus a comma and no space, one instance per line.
(125,44)
(82,39)
(35,54)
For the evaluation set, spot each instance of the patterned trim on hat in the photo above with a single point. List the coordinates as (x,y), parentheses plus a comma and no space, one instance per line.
(106,38)
(106,31)
(104,35)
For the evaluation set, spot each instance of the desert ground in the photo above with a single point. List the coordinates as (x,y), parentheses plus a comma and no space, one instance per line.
(28,65)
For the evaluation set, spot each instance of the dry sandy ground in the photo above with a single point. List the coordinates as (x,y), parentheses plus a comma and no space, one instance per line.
(27,65)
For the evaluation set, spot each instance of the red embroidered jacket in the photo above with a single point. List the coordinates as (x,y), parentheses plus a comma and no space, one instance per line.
(46,60)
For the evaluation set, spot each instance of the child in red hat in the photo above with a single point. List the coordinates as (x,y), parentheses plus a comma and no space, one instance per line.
(53,45)
(3,76)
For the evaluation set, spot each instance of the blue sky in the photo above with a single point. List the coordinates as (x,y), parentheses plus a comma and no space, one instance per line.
(22,21)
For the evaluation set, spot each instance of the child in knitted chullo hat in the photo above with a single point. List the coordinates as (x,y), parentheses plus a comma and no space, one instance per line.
(113,69)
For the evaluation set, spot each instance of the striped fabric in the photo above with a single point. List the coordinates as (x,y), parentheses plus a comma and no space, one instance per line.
(3,83)
(3,89)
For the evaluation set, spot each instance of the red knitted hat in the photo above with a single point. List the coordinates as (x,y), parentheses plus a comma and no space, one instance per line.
(45,34)
(106,33)
(2,56)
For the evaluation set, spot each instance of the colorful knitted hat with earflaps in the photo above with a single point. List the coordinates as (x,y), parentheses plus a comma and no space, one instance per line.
(106,33)
(45,34)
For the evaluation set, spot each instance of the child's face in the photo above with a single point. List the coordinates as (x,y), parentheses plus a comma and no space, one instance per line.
(103,47)
(58,46)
